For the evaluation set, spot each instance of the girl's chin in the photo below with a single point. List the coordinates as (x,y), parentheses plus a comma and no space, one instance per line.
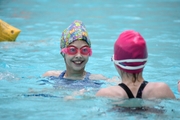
(77,67)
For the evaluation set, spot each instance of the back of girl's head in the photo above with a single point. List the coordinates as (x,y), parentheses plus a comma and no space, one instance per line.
(130,51)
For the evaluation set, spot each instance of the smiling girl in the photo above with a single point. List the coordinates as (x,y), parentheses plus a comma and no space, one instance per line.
(76,49)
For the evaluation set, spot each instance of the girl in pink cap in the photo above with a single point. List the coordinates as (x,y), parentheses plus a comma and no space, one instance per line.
(76,49)
(130,57)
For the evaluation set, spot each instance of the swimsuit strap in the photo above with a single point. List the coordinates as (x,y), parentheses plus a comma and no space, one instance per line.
(128,91)
(61,76)
(141,88)
(87,76)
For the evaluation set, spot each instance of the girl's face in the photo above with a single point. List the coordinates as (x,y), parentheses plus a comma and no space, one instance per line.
(77,61)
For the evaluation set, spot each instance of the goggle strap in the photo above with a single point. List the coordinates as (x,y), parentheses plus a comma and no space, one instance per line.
(117,62)
(130,67)
(90,52)
(130,60)
(64,50)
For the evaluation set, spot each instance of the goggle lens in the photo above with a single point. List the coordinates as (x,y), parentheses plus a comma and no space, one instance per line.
(72,50)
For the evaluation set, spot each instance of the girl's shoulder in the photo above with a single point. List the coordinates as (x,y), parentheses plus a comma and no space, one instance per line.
(158,90)
(52,73)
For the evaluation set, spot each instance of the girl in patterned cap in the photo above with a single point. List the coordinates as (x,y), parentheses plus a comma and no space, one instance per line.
(130,57)
(76,49)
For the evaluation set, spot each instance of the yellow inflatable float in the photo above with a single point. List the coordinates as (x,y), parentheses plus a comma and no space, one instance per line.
(8,32)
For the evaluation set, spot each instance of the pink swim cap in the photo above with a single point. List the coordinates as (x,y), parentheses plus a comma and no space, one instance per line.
(130,52)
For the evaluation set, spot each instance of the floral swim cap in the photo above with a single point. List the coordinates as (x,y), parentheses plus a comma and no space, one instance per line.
(76,31)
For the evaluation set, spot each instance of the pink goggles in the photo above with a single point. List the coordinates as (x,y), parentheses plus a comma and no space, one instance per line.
(72,50)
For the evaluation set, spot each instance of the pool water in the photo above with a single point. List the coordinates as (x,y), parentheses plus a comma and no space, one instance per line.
(24,94)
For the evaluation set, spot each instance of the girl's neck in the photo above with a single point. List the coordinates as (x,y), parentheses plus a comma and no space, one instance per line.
(75,75)
(128,79)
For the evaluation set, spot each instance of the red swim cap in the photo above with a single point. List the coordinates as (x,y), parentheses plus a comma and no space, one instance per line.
(130,52)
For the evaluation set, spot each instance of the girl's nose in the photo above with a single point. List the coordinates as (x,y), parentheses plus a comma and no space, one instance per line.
(78,55)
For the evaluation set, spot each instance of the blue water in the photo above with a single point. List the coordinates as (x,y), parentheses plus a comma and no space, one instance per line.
(36,51)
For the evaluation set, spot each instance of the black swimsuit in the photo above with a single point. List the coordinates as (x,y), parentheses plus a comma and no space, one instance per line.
(129,93)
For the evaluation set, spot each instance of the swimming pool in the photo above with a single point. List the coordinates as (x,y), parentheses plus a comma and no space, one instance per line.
(36,51)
